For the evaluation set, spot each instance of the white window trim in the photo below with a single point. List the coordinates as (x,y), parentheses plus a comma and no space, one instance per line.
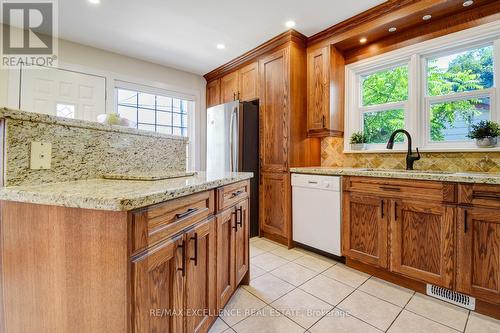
(167,93)
(416,114)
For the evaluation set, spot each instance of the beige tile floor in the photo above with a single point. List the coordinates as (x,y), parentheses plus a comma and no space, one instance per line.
(299,291)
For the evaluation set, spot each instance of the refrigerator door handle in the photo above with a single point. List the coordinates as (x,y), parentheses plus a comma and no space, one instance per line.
(234,140)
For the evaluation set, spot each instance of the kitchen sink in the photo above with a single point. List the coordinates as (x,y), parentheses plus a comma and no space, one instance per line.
(410,171)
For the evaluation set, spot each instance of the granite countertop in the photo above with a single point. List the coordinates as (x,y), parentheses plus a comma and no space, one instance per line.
(458,177)
(118,195)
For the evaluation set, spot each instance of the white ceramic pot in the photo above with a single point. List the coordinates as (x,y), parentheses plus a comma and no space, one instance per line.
(358,146)
(488,142)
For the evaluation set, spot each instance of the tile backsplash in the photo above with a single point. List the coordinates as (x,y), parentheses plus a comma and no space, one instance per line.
(332,155)
(83,150)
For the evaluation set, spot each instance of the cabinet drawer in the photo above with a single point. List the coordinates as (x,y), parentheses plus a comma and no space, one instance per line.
(479,195)
(231,194)
(401,188)
(157,222)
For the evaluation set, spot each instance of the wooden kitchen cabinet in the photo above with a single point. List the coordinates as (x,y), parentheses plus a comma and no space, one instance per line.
(226,225)
(213,93)
(200,289)
(478,252)
(241,244)
(249,82)
(325,92)
(274,205)
(158,287)
(364,233)
(229,85)
(422,241)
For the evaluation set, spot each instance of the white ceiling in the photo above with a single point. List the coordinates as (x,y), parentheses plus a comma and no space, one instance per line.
(183,33)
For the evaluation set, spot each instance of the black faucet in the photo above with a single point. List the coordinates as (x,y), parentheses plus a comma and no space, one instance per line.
(410,158)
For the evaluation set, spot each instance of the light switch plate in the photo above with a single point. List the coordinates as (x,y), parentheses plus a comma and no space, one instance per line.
(41,155)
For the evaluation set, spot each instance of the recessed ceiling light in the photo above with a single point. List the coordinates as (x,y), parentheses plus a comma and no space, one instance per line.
(392,29)
(467,3)
(426,17)
(290,24)
(95,2)
(363,40)
(221,46)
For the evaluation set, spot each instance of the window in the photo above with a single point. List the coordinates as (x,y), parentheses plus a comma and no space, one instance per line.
(458,87)
(435,90)
(153,112)
(384,97)
(65,110)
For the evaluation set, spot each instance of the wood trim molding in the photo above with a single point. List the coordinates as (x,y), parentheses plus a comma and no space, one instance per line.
(366,16)
(285,37)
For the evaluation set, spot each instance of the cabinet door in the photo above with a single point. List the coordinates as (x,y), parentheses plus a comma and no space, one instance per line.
(249,82)
(274,204)
(158,287)
(364,230)
(274,111)
(423,241)
(200,288)
(478,253)
(318,88)
(241,240)
(229,87)
(213,93)
(226,224)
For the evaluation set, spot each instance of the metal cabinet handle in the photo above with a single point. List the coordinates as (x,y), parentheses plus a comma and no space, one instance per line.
(386,188)
(465,221)
(395,211)
(195,258)
(183,267)
(324,121)
(235,213)
(382,209)
(235,194)
(487,196)
(240,222)
(186,213)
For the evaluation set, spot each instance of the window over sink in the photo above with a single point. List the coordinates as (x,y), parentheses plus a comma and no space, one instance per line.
(435,90)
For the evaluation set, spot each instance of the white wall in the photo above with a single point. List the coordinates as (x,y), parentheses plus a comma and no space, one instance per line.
(114,66)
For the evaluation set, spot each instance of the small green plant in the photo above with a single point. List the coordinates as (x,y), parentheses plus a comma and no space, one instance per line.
(358,137)
(484,129)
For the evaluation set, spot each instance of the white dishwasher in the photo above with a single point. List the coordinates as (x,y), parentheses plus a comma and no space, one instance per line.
(316,206)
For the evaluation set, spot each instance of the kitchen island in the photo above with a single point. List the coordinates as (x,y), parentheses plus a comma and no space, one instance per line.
(122,256)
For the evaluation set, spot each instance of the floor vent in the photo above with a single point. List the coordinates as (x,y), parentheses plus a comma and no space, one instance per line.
(451,297)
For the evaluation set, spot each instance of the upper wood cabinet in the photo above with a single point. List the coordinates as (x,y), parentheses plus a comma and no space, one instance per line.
(364,233)
(213,93)
(249,82)
(325,92)
(158,283)
(422,241)
(229,85)
(478,252)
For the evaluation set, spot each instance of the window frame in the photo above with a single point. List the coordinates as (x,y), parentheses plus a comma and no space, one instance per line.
(417,114)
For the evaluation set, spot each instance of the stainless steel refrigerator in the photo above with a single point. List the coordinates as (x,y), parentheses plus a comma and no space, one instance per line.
(233,145)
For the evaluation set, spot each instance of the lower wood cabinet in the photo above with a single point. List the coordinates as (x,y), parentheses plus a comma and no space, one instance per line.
(232,250)
(364,235)
(422,241)
(478,252)
(274,205)
(157,282)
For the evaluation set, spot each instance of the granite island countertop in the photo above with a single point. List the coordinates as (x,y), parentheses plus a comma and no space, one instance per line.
(458,177)
(118,195)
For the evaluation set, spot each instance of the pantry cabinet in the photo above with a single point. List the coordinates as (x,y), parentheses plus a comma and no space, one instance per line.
(365,229)
(274,205)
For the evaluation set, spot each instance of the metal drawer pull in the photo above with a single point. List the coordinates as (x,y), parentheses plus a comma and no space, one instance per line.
(311,182)
(235,213)
(396,211)
(488,196)
(382,208)
(235,194)
(186,213)
(465,221)
(195,259)
(240,222)
(183,268)
(385,188)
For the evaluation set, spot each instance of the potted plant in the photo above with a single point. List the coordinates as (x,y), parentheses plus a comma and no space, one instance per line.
(485,133)
(358,141)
